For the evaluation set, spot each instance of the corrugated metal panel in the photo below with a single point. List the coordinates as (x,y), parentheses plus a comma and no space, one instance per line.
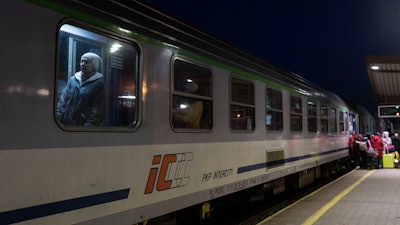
(385,80)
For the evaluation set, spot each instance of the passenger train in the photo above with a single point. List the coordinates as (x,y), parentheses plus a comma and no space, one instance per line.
(187,117)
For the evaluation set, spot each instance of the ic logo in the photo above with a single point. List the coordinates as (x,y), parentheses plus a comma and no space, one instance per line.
(168,171)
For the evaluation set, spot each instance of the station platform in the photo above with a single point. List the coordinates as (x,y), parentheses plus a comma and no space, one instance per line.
(367,197)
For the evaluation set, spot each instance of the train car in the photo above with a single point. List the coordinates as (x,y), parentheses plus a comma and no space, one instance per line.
(363,121)
(166,117)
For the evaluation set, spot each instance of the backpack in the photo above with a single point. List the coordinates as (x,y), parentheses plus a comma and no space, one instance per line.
(362,146)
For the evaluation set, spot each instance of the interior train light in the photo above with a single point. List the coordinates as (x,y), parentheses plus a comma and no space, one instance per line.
(115,47)
(127,97)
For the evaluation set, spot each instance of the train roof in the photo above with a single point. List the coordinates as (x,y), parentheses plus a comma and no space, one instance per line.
(148,20)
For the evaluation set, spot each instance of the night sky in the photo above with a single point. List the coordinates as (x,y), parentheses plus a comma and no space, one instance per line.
(323,41)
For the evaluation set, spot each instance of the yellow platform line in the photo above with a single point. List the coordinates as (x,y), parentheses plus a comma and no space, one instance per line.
(314,192)
(311,220)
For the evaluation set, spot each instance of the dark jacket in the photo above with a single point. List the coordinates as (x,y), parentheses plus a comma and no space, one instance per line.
(396,142)
(82,104)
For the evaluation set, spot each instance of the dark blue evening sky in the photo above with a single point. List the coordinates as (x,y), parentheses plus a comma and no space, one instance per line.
(323,41)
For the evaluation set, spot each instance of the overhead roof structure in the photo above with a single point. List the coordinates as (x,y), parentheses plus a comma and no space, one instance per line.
(384,74)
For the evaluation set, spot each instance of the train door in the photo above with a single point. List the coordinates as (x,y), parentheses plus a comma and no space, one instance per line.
(353,121)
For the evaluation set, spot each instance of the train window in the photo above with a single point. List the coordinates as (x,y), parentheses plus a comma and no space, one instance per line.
(242,105)
(296,114)
(333,124)
(342,118)
(191,96)
(97,83)
(273,110)
(324,118)
(312,116)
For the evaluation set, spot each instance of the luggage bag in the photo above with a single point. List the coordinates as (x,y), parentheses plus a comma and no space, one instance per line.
(388,160)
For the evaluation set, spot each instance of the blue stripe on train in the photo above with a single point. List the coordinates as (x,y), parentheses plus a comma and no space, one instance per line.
(249,168)
(34,212)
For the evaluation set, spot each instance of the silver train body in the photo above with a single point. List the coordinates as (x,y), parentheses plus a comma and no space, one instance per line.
(259,123)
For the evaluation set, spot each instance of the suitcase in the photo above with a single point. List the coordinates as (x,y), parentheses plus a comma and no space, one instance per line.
(388,160)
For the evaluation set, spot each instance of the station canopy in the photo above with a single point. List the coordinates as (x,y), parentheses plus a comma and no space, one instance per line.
(384,74)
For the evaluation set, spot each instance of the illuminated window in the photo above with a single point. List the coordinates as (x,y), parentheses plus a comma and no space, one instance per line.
(242,105)
(97,85)
(191,97)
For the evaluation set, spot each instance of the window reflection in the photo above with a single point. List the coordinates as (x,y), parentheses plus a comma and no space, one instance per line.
(191,96)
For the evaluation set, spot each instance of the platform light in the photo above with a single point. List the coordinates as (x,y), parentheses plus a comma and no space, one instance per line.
(374,67)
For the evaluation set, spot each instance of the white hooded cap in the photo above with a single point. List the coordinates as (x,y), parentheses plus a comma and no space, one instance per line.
(94,58)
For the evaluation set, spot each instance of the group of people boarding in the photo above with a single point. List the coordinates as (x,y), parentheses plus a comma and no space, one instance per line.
(367,151)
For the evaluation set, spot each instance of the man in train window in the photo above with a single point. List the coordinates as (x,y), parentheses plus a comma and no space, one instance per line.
(82,100)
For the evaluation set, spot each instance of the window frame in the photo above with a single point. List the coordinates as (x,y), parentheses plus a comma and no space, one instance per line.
(342,119)
(310,117)
(106,39)
(243,105)
(333,120)
(206,120)
(273,110)
(324,118)
(296,114)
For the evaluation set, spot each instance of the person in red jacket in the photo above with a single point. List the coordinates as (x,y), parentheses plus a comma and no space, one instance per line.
(377,144)
(353,149)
